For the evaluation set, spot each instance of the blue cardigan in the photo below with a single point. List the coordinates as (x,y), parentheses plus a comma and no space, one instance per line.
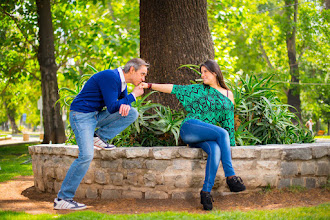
(102,89)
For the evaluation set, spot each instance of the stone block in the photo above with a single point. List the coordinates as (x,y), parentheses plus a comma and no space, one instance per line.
(31,150)
(132,179)
(247,152)
(67,161)
(243,165)
(297,153)
(57,186)
(101,177)
(119,152)
(91,192)
(111,194)
(134,152)
(149,180)
(50,187)
(269,179)
(60,172)
(156,195)
(310,183)
(131,194)
(182,181)
(49,173)
(267,152)
(165,153)
(182,164)
(323,168)
(298,182)
(72,151)
(58,150)
(284,183)
(81,191)
(132,164)
(112,165)
(307,168)
(289,168)
(159,165)
(191,153)
(320,151)
(268,165)
(117,178)
(184,195)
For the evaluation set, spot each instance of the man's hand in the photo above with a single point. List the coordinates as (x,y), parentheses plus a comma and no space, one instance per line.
(138,90)
(124,109)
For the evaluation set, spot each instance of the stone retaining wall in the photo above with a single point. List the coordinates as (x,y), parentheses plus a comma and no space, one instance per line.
(178,172)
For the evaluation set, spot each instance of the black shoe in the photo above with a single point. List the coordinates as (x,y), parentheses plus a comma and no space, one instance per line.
(235,184)
(206,200)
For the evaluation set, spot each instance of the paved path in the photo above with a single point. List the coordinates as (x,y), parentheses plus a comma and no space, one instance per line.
(19,140)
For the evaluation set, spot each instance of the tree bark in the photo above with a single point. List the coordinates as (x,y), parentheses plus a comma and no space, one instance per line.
(11,117)
(173,33)
(294,90)
(52,120)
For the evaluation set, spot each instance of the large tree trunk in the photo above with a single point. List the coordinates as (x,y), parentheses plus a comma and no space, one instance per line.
(173,33)
(52,120)
(294,90)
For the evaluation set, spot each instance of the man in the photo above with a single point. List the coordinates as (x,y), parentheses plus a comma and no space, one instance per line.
(309,124)
(106,88)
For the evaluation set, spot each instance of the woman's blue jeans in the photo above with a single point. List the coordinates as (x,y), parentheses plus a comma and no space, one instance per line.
(83,126)
(215,142)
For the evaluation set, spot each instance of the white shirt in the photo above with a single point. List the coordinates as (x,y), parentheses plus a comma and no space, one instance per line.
(123,82)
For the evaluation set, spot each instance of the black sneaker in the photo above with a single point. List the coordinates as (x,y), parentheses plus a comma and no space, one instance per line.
(206,200)
(235,184)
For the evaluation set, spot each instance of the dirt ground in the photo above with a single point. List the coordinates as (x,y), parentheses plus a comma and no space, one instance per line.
(20,195)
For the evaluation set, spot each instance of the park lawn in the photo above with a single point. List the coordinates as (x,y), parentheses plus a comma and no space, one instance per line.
(15,161)
(322,137)
(318,212)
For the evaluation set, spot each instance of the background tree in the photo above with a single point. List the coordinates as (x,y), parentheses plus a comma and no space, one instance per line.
(173,33)
(52,119)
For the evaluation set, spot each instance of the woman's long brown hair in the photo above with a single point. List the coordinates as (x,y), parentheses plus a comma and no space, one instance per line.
(214,67)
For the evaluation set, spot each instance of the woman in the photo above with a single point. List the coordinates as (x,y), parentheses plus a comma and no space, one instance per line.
(207,105)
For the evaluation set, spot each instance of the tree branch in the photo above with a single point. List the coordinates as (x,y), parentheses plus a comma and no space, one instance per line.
(264,55)
(19,28)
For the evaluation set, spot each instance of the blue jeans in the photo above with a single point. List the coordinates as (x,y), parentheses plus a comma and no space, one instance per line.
(83,126)
(215,142)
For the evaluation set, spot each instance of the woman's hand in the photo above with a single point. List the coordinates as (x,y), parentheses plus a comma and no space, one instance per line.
(143,85)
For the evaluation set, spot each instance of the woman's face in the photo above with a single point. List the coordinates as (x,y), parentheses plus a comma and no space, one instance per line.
(209,78)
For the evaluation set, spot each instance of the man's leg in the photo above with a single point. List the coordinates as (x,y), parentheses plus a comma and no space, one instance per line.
(83,125)
(112,124)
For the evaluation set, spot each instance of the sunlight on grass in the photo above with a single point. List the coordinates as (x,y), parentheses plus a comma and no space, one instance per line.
(14,161)
(317,212)
(322,137)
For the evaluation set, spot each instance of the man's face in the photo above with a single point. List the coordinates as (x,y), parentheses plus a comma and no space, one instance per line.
(139,75)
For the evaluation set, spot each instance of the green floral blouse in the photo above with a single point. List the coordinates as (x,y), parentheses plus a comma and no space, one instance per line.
(208,105)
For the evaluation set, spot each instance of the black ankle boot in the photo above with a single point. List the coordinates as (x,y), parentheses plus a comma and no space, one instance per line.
(206,200)
(235,184)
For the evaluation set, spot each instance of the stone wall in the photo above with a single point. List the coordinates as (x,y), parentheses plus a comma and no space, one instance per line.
(178,172)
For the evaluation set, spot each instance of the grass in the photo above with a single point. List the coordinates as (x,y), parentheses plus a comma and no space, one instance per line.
(13,162)
(322,137)
(317,212)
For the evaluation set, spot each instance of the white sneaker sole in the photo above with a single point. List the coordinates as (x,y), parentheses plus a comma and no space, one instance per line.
(105,148)
(80,208)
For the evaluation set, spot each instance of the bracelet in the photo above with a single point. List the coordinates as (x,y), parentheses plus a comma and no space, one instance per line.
(149,85)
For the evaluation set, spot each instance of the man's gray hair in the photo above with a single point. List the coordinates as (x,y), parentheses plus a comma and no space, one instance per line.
(136,63)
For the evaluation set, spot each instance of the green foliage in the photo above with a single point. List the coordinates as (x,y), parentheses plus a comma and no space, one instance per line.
(14,161)
(317,212)
(264,119)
